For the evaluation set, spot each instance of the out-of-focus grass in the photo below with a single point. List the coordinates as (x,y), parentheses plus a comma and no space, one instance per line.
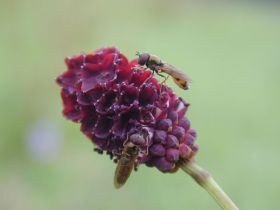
(230,51)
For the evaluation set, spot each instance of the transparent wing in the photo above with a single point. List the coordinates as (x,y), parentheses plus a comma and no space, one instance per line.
(179,77)
(123,171)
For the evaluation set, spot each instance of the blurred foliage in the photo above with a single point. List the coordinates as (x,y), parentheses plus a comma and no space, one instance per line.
(231,50)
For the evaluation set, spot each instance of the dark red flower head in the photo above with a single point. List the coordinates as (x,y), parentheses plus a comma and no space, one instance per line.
(117,101)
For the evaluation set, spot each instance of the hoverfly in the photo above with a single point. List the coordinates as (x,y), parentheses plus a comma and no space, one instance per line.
(126,163)
(154,63)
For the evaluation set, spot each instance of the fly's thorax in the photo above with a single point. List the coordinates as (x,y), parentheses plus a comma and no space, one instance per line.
(131,149)
(154,61)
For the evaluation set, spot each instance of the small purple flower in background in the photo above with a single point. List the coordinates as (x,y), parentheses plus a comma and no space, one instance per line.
(114,99)
(43,141)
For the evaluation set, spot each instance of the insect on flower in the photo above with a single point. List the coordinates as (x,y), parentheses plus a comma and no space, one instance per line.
(126,163)
(126,114)
(154,63)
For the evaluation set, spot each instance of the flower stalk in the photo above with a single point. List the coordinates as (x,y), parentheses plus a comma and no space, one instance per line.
(205,180)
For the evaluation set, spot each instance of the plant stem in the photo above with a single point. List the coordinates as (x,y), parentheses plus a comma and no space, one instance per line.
(205,180)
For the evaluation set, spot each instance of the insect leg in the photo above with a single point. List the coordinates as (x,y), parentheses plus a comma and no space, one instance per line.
(165,78)
(148,77)
(161,75)
(136,164)
(98,150)
(161,84)
(126,140)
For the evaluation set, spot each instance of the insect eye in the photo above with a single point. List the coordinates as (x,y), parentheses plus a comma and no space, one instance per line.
(143,58)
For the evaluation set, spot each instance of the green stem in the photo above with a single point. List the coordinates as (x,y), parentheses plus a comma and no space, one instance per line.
(204,179)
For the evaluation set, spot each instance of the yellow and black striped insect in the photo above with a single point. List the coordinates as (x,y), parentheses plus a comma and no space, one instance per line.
(154,63)
(126,163)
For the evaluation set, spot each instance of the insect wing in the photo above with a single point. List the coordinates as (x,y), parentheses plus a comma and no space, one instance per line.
(179,77)
(123,171)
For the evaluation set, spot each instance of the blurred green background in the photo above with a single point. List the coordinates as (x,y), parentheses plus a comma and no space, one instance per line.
(231,51)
